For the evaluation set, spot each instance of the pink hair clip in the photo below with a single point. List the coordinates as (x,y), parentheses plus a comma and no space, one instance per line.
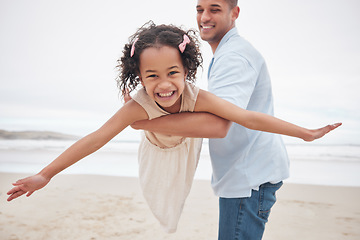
(133,47)
(182,45)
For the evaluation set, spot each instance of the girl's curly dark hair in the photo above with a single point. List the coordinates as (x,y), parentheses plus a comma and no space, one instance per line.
(150,35)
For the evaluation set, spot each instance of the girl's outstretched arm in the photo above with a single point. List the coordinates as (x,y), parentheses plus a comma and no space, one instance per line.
(186,124)
(128,114)
(208,102)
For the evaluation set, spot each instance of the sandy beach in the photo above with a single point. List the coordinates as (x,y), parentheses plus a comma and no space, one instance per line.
(105,207)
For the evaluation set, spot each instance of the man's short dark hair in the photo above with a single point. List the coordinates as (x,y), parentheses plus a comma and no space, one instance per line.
(232,3)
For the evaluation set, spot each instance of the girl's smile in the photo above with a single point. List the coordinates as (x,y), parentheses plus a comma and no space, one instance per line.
(163,95)
(163,75)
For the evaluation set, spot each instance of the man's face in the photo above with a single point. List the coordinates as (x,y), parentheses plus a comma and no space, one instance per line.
(215,19)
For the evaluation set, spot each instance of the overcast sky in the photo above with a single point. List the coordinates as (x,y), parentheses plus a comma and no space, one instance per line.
(58,58)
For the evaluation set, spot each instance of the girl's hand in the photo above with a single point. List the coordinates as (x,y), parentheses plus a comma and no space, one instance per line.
(27,185)
(318,133)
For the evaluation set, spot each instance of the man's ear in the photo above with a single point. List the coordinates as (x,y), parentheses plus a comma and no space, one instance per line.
(235,13)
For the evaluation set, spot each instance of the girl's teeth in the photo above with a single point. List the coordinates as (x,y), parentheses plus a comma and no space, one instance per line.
(166,94)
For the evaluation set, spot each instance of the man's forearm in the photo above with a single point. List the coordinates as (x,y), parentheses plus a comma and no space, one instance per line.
(199,125)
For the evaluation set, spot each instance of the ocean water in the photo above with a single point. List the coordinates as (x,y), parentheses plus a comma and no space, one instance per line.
(337,165)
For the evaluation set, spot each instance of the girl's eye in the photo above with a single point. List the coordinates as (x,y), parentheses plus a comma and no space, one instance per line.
(151,76)
(173,73)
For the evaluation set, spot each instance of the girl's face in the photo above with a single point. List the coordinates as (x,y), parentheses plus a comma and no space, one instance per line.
(163,75)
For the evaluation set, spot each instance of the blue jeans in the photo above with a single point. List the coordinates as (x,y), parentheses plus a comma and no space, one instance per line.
(245,218)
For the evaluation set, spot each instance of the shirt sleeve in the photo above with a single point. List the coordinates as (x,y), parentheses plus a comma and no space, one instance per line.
(233,79)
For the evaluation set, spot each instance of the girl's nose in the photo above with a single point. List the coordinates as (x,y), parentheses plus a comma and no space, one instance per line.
(164,84)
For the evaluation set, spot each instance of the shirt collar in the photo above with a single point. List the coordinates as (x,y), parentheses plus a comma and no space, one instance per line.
(226,37)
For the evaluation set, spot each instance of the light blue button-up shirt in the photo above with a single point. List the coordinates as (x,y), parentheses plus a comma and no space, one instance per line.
(245,158)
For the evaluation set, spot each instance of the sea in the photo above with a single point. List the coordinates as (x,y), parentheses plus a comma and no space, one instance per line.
(310,163)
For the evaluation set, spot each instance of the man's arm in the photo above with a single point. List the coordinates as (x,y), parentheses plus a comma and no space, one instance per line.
(187,124)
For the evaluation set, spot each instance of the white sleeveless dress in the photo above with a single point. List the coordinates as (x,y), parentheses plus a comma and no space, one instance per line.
(167,164)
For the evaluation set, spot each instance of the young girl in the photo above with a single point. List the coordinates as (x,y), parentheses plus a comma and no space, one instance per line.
(164,60)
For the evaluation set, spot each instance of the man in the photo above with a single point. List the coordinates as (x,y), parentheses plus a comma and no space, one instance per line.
(248,166)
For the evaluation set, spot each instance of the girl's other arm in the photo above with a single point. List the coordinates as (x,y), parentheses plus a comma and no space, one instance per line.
(257,121)
(197,125)
(129,113)
(187,124)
